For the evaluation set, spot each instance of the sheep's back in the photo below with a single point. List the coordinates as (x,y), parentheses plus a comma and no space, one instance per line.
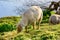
(54,19)
(33,13)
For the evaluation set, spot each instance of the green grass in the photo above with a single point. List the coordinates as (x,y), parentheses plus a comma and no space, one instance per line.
(46,31)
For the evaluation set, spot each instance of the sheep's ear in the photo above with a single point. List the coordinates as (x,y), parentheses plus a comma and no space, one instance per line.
(19,28)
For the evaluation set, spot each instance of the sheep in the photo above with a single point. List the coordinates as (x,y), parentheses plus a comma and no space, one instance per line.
(54,19)
(58,11)
(31,16)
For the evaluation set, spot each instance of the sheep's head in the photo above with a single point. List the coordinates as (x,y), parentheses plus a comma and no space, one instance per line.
(19,28)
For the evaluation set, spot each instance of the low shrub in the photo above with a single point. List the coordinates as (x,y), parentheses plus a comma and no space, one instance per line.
(46,14)
(5,27)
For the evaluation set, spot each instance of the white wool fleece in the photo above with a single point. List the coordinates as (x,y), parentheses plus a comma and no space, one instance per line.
(54,19)
(33,14)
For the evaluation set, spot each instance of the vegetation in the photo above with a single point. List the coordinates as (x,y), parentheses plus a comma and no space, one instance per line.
(4,27)
(46,14)
(46,31)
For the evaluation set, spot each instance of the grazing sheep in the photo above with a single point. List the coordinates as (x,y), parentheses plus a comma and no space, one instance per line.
(32,15)
(54,19)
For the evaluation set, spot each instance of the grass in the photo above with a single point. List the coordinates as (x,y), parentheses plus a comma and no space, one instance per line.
(46,31)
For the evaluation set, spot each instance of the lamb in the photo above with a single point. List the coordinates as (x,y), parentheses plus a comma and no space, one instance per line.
(54,19)
(31,16)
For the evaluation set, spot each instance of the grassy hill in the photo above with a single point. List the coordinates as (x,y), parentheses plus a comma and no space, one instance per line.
(9,19)
(46,31)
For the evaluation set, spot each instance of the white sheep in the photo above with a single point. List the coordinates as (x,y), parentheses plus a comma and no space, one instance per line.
(54,19)
(32,15)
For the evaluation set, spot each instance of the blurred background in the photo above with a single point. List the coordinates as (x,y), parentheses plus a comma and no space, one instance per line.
(16,7)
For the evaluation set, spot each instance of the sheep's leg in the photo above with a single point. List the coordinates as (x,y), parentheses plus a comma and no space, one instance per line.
(34,25)
(26,29)
(39,21)
(38,25)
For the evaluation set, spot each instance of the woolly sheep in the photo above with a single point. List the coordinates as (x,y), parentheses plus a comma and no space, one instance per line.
(54,19)
(32,15)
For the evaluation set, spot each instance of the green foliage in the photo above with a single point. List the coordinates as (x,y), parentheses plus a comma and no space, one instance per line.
(48,36)
(8,23)
(46,14)
(4,27)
